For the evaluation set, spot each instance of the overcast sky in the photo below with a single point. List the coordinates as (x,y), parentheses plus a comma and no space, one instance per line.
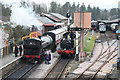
(108,4)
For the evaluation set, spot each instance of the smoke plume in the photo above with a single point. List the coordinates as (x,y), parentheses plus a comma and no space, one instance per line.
(21,13)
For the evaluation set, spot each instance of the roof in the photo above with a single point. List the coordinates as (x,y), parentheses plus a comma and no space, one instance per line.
(52,17)
(46,21)
(57,31)
(93,21)
(59,16)
(114,24)
(110,21)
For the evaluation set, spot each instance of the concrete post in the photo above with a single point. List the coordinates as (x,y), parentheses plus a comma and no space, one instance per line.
(77,58)
(68,21)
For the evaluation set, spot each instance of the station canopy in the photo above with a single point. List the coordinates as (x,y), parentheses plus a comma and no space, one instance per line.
(110,21)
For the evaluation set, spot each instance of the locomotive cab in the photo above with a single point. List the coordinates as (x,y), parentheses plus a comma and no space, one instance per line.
(32,49)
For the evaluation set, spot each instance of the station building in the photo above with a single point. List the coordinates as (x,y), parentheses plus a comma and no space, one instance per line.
(49,22)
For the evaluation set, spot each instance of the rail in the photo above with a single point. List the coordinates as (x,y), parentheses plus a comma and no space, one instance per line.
(58,69)
(98,59)
(21,72)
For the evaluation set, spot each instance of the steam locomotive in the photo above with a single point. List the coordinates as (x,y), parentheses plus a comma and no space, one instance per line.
(67,45)
(35,47)
(94,25)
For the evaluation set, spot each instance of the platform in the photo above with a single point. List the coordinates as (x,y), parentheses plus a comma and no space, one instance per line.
(43,69)
(7,63)
(105,69)
(7,59)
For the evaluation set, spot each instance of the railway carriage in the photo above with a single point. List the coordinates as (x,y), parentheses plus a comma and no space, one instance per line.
(35,47)
(102,28)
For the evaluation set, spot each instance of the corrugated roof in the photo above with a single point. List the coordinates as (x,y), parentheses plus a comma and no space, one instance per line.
(46,21)
(48,15)
(55,19)
(59,16)
(52,17)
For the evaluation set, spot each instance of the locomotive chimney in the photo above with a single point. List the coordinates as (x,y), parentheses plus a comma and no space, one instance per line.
(39,37)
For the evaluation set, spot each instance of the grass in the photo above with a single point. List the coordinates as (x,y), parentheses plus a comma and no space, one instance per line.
(88,43)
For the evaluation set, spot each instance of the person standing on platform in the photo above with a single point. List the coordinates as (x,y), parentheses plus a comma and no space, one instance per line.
(16,50)
(20,49)
(49,58)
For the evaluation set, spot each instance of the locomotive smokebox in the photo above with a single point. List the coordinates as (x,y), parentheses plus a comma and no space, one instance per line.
(65,44)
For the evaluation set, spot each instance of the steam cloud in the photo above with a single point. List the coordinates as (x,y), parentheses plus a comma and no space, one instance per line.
(21,13)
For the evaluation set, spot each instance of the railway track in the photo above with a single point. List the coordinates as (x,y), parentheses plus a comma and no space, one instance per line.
(109,57)
(57,70)
(6,74)
(22,72)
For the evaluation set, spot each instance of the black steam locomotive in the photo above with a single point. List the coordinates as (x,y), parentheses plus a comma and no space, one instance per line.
(94,25)
(67,45)
(35,48)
